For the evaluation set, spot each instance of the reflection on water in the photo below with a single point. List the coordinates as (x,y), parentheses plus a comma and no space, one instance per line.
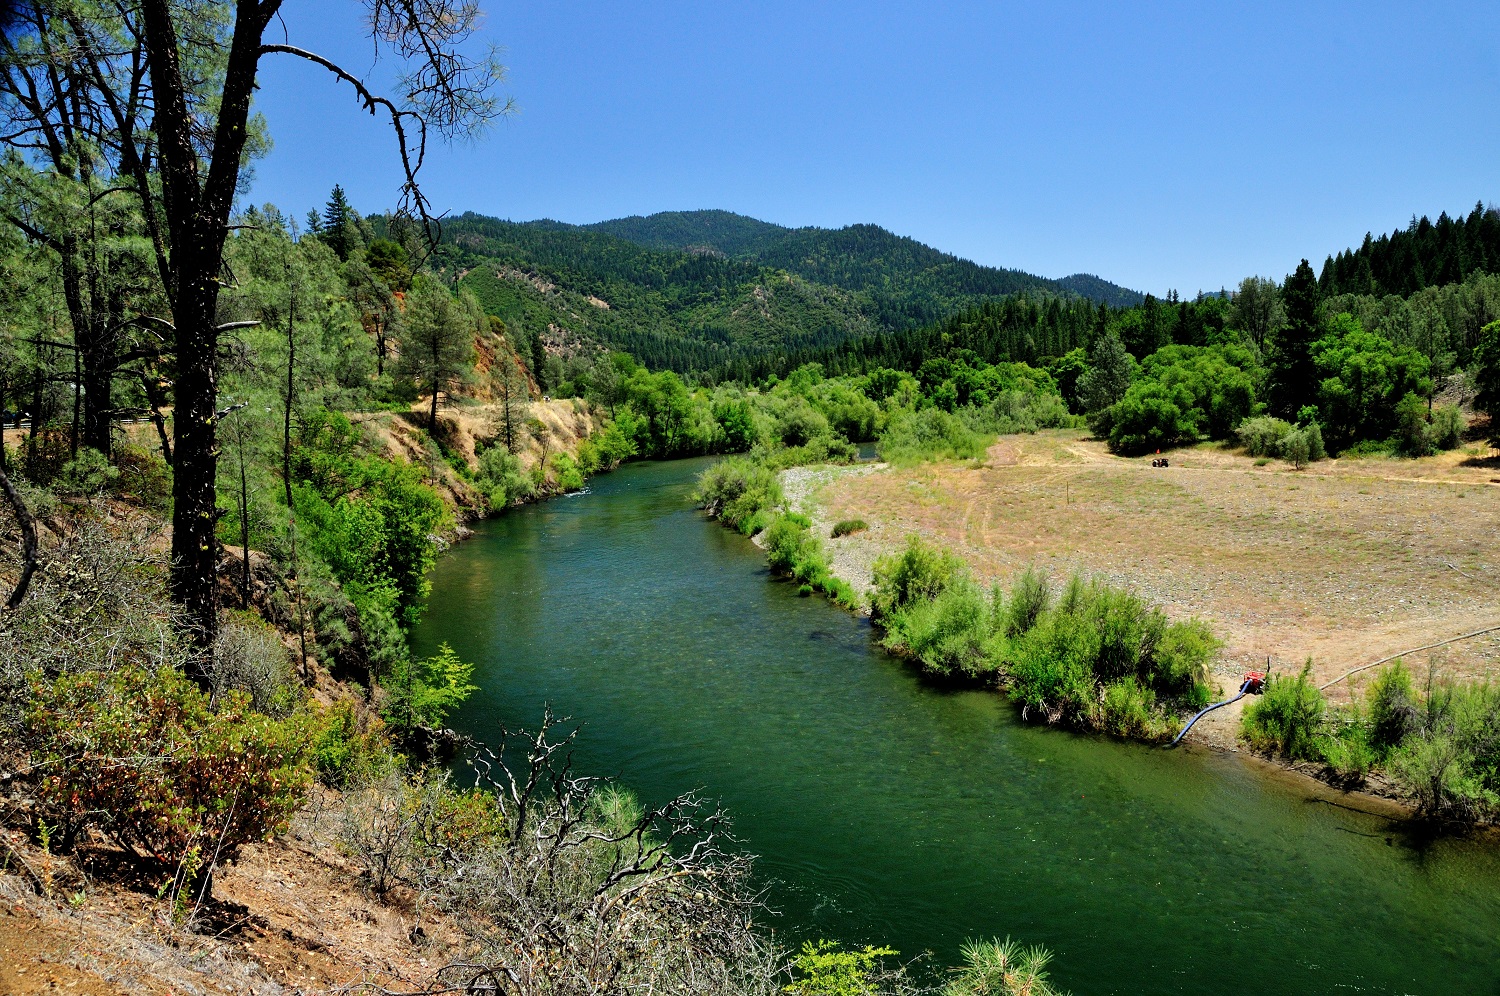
(888,811)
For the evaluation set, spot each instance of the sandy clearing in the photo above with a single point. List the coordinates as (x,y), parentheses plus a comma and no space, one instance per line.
(1344,562)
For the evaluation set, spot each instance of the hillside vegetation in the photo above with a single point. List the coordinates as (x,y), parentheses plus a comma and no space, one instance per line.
(704,291)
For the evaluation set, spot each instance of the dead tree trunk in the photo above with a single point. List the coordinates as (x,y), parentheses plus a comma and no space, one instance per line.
(28,541)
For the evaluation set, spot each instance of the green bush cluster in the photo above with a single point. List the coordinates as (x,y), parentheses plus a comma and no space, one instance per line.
(848,527)
(1287,718)
(1422,433)
(793,550)
(349,747)
(422,692)
(1180,393)
(741,492)
(501,479)
(144,756)
(930,434)
(989,968)
(1091,656)
(1268,436)
(1440,745)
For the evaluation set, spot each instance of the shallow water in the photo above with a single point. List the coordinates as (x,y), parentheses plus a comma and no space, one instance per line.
(888,811)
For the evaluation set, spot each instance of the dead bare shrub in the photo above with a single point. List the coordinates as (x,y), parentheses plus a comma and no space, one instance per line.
(98,602)
(564,884)
(250,657)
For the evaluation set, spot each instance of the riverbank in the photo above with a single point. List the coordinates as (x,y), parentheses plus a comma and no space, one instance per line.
(890,809)
(1346,562)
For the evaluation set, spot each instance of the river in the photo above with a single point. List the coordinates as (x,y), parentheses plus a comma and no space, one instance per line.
(885,810)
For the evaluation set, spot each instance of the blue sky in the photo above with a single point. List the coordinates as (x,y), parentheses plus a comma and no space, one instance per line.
(1158,145)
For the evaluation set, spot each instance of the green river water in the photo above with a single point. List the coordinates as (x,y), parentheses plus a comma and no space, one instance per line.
(888,811)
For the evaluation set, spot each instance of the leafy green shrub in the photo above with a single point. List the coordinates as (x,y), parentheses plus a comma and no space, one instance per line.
(823,968)
(1412,437)
(1181,660)
(90,473)
(1434,769)
(847,527)
(1368,448)
(918,572)
(1451,762)
(1315,449)
(501,479)
(1346,748)
(1287,717)
(423,692)
(1262,435)
(788,544)
(792,550)
(741,492)
(927,435)
(144,476)
(1446,430)
(348,747)
(142,755)
(1393,708)
(1362,379)
(1295,448)
(1094,639)
(1030,596)
(1051,668)
(949,634)
(566,474)
(1151,415)
(1128,709)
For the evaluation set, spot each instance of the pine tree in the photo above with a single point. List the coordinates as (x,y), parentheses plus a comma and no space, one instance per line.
(1487,377)
(1109,374)
(338,224)
(1293,380)
(438,342)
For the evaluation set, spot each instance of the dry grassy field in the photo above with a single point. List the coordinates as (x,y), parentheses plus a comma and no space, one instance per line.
(1345,561)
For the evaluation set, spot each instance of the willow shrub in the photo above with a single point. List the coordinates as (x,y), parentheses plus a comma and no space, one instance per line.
(951,634)
(930,434)
(1288,717)
(1450,760)
(740,492)
(143,756)
(1095,657)
(1099,639)
(792,550)
(918,573)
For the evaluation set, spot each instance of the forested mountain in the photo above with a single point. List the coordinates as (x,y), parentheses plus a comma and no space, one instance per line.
(916,282)
(722,231)
(1424,254)
(683,311)
(1097,289)
(712,289)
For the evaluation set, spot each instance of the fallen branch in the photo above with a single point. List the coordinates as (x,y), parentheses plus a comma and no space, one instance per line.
(1414,650)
